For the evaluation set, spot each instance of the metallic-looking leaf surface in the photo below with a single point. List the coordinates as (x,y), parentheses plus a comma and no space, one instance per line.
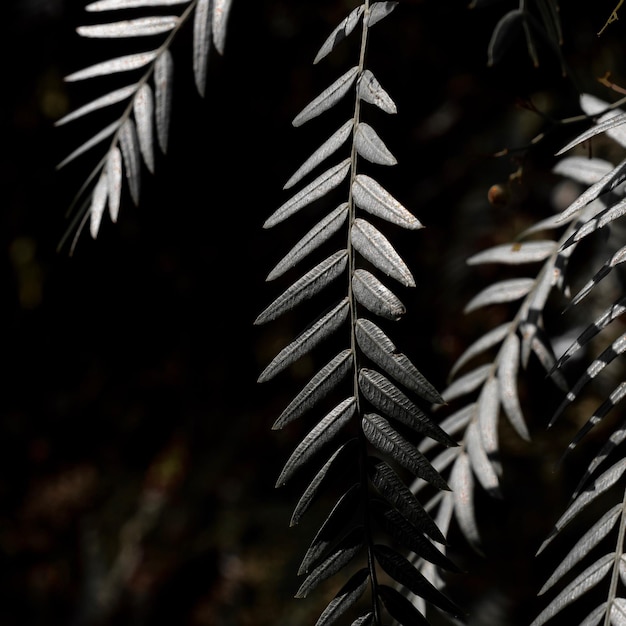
(318,437)
(339,33)
(307,286)
(140,27)
(385,438)
(319,234)
(202,37)
(375,247)
(320,330)
(328,98)
(330,146)
(143,109)
(375,297)
(124,63)
(371,197)
(163,79)
(313,191)
(318,387)
(371,147)
(382,351)
(344,552)
(370,91)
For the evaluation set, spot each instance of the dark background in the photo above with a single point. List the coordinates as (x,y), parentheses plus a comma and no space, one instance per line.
(137,460)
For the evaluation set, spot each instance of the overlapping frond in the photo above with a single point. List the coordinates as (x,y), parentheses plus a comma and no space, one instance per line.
(145,99)
(597,560)
(376,418)
(483,384)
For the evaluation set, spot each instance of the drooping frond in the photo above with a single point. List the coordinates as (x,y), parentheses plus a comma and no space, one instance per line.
(146,98)
(376,417)
(594,566)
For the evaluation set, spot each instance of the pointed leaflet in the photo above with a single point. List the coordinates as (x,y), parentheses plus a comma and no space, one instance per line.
(616,438)
(583,169)
(606,183)
(114,178)
(614,398)
(99,103)
(221,9)
(375,247)
(120,64)
(111,5)
(605,270)
(320,233)
(129,145)
(604,359)
(375,297)
(202,34)
(387,398)
(370,91)
(318,188)
(503,34)
(343,29)
(98,203)
(600,485)
(390,486)
(334,526)
(319,436)
(479,461)
(307,286)
(330,146)
(508,366)
(346,597)
(596,223)
(585,544)
(583,583)
(96,139)
(311,491)
(503,291)
(488,411)
(617,119)
(462,485)
(453,425)
(380,10)
(343,553)
(371,197)
(467,383)
(364,620)
(490,339)
(321,329)
(401,570)
(143,108)
(384,438)
(318,387)
(407,535)
(141,27)
(515,253)
(163,79)
(400,608)
(381,350)
(610,314)
(371,147)
(328,98)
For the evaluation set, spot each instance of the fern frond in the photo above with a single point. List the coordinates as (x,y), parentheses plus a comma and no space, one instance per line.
(596,208)
(147,109)
(377,414)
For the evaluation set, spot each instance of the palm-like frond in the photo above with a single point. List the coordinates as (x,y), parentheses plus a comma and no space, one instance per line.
(376,419)
(147,98)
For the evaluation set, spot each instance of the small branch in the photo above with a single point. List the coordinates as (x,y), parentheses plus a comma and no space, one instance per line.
(612,18)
